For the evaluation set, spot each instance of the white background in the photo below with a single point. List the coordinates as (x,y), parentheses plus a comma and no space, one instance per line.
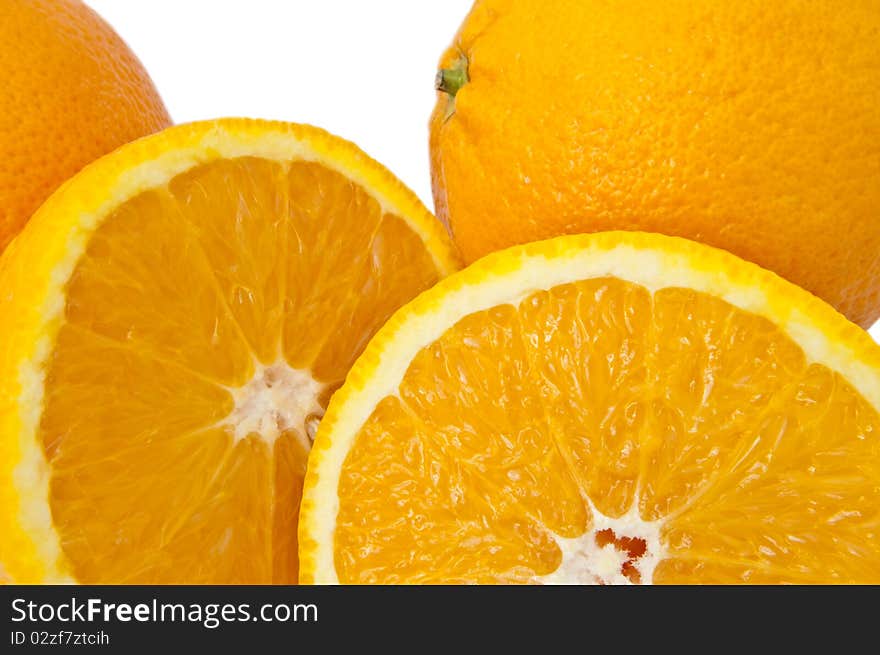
(363,69)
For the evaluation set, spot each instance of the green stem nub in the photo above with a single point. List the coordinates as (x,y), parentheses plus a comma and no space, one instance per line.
(450,80)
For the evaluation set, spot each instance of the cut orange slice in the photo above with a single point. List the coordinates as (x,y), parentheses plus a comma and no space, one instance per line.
(613,408)
(173,322)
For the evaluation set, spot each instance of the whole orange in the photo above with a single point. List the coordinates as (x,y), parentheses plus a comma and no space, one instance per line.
(70,91)
(753,126)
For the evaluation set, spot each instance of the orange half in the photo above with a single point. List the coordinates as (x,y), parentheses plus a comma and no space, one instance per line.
(614,408)
(173,323)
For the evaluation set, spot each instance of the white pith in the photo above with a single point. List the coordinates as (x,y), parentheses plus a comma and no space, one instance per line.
(584,562)
(276,399)
(611,255)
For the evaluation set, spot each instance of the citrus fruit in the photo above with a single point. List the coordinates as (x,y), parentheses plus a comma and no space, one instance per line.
(173,321)
(750,126)
(72,91)
(613,408)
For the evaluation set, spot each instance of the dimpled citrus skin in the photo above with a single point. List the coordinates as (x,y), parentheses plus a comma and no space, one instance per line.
(752,126)
(71,92)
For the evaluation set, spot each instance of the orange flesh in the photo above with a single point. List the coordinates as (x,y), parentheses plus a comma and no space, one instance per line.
(183,291)
(759,466)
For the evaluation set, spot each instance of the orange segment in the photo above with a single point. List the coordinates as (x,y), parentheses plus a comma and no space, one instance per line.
(331,227)
(145,401)
(129,287)
(483,411)
(374,297)
(720,371)
(227,539)
(588,349)
(235,208)
(438,528)
(634,408)
(824,441)
(176,319)
(105,509)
